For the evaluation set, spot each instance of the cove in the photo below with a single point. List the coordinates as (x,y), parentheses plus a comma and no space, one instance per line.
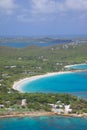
(77,67)
(74,83)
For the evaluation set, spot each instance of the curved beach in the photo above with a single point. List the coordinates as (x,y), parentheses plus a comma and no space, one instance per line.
(18,84)
(68,66)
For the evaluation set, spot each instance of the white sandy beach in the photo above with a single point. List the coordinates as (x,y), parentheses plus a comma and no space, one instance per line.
(68,66)
(18,84)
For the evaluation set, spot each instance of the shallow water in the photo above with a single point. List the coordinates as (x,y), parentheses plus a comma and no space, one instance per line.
(44,123)
(78,66)
(75,83)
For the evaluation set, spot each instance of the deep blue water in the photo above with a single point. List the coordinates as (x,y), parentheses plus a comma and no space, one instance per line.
(75,83)
(44,123)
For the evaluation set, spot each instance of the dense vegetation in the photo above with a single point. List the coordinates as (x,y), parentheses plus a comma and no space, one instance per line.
(16,63)
(41,101)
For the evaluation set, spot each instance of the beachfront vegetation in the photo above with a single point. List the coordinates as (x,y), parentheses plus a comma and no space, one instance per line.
(16,63)
(40,101)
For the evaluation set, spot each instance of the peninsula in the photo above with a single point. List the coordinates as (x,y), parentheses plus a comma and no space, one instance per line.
(37,62)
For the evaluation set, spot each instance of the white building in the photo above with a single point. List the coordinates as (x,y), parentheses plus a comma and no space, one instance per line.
(67,109)
(1,106)
(53,105)
(13,66)
(57,111)
(24,102)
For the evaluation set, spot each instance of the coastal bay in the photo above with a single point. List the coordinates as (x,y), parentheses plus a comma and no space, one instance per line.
(73,82)
(18,85)
(29,65)
(43,65)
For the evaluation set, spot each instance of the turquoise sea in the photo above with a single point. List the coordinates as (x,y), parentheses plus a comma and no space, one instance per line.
(75,83)
(78,66)
(44,123)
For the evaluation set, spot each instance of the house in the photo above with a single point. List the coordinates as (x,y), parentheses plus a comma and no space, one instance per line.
(10,109)
(60,106)
(13,66)
(24,103)
(57,111)
(4,75)
(1,106)
(58,102)
(19,58)
(67,109)
(53,105)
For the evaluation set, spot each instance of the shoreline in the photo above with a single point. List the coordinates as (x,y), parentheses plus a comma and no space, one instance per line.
(18,84)
(38,114)
(32,114)
(68,66)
